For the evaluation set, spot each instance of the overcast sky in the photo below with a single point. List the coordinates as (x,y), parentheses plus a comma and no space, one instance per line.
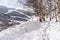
(12,3)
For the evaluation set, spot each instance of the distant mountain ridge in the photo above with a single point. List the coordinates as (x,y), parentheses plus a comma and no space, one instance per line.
(12,16)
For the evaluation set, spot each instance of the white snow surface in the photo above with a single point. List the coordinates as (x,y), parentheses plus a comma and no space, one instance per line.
(33,30)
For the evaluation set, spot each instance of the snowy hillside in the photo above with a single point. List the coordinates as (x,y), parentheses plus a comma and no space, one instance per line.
(13,16)
(32,30)
(18,22)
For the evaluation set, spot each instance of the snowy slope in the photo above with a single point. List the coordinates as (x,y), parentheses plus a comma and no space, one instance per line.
(29,27)
(13,16)
(32,30)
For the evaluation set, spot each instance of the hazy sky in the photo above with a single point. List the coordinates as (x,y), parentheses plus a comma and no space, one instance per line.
(12,3)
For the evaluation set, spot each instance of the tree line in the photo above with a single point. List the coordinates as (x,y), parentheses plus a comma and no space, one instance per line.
(45,9)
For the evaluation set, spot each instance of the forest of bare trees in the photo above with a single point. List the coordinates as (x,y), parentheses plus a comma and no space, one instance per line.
(46,9)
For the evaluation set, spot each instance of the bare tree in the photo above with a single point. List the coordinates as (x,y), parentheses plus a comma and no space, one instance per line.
(44,10)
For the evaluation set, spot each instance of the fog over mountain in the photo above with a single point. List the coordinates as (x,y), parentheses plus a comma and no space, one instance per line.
(13,3)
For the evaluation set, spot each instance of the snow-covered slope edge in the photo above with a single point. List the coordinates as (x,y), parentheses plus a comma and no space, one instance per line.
(15,31)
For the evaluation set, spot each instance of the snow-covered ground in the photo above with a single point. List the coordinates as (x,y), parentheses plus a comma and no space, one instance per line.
(26,30)
(33,30)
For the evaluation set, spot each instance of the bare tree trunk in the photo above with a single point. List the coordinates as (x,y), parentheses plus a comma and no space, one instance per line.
(44,9)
